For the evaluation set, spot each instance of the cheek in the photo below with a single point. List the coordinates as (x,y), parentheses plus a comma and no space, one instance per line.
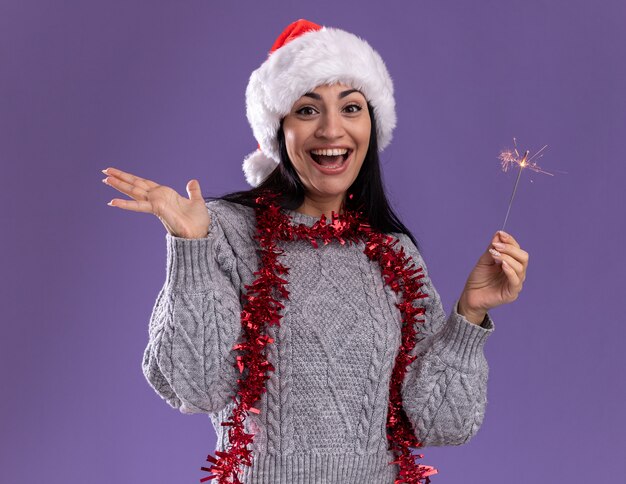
(364,139)
(289,145)
(364,132)
(292,142)
(367,132)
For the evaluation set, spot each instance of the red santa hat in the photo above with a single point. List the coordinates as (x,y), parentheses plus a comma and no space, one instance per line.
(304,56)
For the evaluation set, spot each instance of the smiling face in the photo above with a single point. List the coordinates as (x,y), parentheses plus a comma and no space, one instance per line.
(327,135)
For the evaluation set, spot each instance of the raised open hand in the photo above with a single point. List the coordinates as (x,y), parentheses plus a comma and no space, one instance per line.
(182,217)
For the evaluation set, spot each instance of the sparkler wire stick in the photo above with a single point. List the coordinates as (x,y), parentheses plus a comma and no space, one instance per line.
(519,173)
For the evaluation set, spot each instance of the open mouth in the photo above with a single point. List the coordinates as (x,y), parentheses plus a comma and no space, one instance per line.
(330,161)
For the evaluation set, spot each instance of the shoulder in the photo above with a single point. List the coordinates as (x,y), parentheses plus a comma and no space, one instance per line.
(410,250)
(236,222)
(433,301)
(404,241)
(225,210)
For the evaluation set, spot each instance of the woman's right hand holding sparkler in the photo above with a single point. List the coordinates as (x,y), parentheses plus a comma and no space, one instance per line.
(497,278)
(182,217)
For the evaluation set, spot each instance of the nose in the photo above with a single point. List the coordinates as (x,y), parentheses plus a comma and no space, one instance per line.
(330,125)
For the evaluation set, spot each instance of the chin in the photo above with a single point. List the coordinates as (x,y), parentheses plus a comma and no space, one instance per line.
(332,189)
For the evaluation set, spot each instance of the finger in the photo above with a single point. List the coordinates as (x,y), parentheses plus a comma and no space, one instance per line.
(125,188)
(514,264)
(507,238)
(517,253)
(500,256)
(130,178)
(511,275)
(135,206)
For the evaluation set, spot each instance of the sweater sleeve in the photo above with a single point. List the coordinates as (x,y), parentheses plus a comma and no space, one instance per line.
(445,389)
(194,324)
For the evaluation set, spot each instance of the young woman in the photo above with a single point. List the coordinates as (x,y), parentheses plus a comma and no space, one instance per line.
(300,313)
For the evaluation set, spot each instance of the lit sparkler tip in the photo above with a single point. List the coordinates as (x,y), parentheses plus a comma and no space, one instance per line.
(510,157)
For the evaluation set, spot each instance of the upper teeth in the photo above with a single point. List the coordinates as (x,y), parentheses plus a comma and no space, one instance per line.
(334,152)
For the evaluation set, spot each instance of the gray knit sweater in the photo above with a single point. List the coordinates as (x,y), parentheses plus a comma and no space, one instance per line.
(323,417)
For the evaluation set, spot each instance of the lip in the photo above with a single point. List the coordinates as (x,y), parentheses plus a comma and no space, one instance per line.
(331,147)
(328,171)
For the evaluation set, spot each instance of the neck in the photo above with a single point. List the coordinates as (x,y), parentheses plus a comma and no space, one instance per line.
(318,206)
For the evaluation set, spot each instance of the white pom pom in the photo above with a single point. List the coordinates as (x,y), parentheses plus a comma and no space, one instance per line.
(257,166)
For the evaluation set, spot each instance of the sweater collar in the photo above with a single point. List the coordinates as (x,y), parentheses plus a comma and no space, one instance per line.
(298,218)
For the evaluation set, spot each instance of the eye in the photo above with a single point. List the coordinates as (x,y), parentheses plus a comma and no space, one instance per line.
(356,107)
(306,111)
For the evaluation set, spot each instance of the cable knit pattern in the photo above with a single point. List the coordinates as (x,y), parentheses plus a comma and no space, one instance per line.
(385,339)
(323,417)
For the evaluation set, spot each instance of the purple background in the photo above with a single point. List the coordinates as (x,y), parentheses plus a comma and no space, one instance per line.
(156,88)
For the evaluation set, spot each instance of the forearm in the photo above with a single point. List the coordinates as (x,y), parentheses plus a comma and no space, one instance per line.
(447,406)
(445,389)
(189,359)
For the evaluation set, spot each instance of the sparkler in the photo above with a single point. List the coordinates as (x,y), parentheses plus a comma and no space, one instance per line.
(512,157)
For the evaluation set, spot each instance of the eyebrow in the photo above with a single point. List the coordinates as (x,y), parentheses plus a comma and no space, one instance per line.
(342,94)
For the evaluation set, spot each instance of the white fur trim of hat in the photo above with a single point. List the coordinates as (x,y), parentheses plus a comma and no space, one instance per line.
(313,58)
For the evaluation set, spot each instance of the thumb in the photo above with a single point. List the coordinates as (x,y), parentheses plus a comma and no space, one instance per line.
(193,190)
(496,238)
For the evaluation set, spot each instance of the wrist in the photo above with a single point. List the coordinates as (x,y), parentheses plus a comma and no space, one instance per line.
(474,316)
